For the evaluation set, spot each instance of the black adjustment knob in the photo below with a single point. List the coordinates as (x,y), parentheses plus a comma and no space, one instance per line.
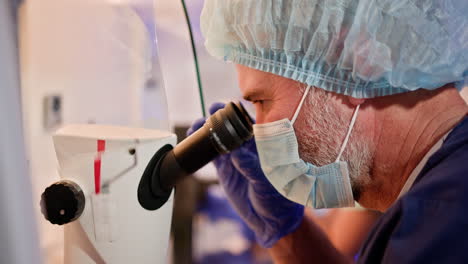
(62,202)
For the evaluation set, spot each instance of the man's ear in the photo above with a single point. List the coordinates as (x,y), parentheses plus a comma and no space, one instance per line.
(356,101)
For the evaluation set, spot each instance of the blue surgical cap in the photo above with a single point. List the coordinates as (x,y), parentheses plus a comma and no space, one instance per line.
(360,48)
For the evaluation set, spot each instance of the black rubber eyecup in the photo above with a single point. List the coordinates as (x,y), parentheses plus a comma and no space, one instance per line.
(147,198)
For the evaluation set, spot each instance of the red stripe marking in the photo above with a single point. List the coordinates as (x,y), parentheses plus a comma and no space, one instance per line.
(101,147)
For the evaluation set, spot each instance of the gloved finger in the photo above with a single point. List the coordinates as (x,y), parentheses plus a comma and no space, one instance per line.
(226,158)
(246,161)
(222,161)
(230,178)
(215,107)
(196,125)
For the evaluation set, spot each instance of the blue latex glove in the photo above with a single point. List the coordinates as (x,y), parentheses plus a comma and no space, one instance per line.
(270,215)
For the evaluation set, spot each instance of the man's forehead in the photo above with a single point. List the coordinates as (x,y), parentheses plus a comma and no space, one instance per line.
(258,85)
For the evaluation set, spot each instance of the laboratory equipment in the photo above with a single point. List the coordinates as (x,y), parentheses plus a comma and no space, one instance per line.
(224,131)
(96,199)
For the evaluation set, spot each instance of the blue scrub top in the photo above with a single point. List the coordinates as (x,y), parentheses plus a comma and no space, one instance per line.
(430,223)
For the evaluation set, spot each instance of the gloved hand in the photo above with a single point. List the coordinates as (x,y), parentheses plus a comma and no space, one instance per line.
(270,215)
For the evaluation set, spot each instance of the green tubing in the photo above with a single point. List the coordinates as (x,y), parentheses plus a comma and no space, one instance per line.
(195,58)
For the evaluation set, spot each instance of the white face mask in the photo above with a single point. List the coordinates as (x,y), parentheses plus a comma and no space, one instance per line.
(302,182)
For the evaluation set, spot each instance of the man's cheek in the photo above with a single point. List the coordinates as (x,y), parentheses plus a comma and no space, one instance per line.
(302,139)
(302,128)
(306,150)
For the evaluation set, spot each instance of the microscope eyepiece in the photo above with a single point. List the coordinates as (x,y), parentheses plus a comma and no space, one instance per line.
(229,128)
(224,131)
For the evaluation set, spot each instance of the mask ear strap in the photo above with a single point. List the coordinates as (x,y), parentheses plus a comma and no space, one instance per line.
(298,109)
(351,125)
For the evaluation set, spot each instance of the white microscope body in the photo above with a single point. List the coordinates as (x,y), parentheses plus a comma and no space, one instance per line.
(102,166)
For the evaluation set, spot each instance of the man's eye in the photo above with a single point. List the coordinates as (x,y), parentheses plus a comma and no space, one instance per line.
(257,102)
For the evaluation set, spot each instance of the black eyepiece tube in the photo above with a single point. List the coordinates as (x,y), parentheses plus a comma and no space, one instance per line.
(224,131)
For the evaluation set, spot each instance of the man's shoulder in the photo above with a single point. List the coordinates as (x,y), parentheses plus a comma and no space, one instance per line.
(445,176)
(419,231)
(430,220)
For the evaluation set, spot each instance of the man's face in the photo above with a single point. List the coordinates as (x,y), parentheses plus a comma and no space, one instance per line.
(321,125)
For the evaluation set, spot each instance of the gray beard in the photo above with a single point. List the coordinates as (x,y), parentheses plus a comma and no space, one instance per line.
(321,139)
